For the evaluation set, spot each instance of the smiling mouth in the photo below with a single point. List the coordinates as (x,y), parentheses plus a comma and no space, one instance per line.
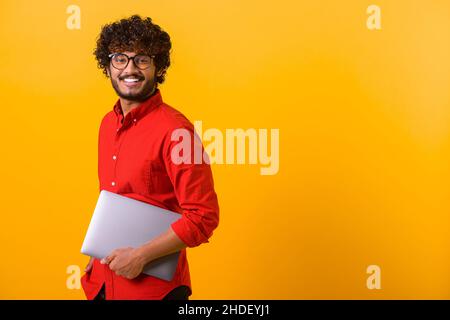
(129,82)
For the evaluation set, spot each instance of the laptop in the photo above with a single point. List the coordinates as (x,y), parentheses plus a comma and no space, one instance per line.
(120,221)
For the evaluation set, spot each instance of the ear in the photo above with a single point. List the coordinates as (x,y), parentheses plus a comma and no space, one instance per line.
(107,72)
(160,72)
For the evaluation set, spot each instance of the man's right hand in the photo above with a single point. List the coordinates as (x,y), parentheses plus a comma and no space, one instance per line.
(88,267)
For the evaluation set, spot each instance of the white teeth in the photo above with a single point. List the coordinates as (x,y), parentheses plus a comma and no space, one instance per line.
(131,80)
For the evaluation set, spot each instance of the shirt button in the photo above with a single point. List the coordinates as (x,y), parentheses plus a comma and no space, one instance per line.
(114,157)
(113,183)
(134,120)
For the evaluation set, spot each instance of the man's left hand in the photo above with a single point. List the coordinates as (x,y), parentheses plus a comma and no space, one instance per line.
(124,262)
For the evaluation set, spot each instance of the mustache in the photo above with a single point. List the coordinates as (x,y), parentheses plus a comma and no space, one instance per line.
(137,76)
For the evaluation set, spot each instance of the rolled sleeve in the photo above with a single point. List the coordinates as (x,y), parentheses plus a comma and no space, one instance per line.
(194,188)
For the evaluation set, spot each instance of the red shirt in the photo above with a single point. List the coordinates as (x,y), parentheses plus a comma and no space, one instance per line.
(134,160)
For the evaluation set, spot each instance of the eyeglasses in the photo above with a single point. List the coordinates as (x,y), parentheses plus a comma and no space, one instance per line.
(120,60)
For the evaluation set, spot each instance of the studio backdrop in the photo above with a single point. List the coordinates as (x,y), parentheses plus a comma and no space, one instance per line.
(328,123)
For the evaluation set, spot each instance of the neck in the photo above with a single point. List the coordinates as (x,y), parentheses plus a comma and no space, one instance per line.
(128,105)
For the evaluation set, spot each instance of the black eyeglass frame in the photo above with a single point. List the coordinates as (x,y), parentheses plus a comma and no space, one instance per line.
(112,55)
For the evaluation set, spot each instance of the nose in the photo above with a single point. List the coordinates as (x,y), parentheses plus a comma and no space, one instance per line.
(131,67)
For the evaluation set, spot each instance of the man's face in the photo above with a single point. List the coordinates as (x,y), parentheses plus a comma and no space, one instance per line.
(132,83)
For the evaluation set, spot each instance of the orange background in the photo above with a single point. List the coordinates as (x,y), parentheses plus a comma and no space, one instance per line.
(364,120)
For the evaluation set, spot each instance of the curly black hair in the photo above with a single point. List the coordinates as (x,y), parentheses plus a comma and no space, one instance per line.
(138,35)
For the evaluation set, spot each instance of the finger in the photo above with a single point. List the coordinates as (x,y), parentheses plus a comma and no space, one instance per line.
(120,271)
(108,259)
(130,276)
(117,271)
(112,266)
(124,274)
(88,268)
(105,260)
(89,265)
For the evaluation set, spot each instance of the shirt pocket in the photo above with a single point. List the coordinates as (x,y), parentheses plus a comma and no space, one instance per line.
(157,179)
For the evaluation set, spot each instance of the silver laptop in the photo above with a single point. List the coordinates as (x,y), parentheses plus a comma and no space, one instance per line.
(119,222)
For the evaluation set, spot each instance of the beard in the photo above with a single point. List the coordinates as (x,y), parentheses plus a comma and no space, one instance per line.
(139,96)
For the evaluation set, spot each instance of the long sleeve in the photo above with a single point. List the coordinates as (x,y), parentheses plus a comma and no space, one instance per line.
(194,188)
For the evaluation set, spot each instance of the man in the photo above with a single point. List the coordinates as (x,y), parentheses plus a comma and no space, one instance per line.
(135,159)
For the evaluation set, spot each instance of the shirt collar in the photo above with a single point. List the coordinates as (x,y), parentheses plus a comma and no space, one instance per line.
(141,110)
